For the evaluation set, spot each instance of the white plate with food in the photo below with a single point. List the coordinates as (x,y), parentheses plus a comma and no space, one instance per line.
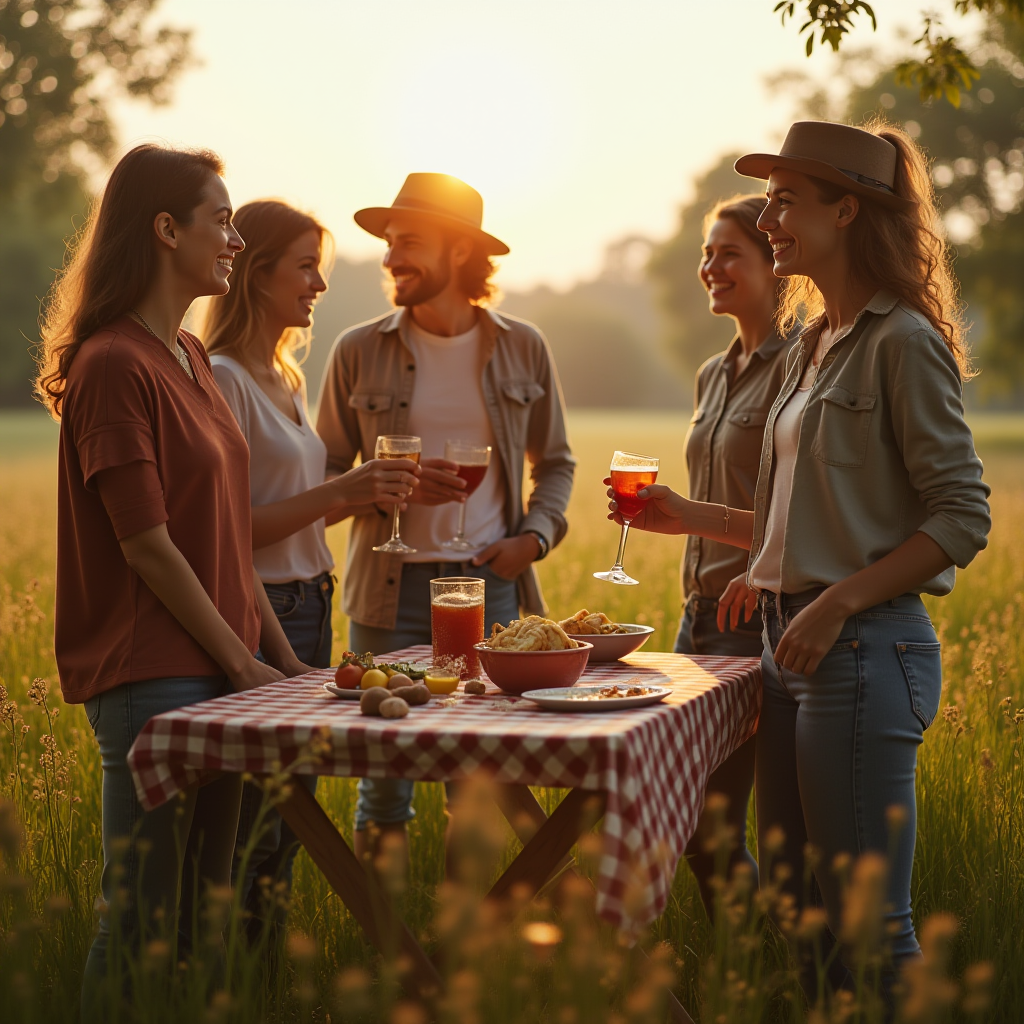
(609,697)
(337,691)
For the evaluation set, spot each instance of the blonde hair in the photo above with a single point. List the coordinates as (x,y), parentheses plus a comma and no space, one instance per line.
(902,251)
(230,322)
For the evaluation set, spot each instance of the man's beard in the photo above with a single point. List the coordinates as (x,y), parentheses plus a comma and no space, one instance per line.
(430,285)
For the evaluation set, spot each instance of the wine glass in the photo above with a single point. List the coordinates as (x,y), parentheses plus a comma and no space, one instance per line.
(472,460)
(397,446)
(630,473)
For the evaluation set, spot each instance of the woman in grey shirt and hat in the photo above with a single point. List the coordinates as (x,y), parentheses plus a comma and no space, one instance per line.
(869,494)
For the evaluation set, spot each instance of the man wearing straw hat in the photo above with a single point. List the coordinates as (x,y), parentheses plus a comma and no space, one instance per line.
(442,366)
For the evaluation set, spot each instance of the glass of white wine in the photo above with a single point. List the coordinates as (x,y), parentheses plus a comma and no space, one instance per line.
(397,446)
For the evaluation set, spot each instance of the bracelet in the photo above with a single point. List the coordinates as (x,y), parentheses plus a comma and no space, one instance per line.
(726,507)
(542,541)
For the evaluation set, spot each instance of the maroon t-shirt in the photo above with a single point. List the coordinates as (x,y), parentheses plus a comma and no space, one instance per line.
(183,462)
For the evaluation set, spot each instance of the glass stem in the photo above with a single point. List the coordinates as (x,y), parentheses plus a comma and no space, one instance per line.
(622,545)
(394,526)
(460,533)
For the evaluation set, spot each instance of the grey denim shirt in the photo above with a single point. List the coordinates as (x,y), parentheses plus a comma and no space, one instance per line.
(883,452)
(367,391)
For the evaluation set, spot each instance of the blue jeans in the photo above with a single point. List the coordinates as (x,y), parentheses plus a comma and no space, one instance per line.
(734,777)
(147,854)
(389,801)
(837,749)
(303,608)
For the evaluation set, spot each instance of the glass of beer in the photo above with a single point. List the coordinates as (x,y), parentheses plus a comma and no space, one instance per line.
(397,446)
(630,473)
(472,460)
(456,623)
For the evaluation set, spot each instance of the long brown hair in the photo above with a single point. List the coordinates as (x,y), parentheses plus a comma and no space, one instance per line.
(112,261)
(902,251)
(231,321)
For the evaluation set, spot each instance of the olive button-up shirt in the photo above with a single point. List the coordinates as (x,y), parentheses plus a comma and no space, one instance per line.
(723,451)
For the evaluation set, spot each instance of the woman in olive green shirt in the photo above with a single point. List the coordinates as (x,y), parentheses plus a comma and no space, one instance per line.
(735,390)
(869,494)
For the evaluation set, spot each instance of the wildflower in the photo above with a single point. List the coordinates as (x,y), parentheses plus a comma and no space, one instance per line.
(774,840)
(896,816)
(37,692)
(542,933)
(300,947)
(978,980)
(863,903)
(986,760)
(408,1013)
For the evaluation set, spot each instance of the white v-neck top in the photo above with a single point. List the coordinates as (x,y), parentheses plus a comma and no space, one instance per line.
(285,459)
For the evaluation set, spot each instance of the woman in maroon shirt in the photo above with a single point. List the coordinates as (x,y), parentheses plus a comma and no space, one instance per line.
(157,602)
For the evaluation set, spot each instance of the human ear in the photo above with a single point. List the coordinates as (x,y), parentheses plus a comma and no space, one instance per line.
(164,227)
(461,250)
(847,210)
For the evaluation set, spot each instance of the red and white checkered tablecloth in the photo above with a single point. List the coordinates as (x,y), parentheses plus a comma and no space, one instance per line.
(653,762)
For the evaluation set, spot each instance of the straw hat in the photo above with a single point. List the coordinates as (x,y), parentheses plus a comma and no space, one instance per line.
(851,157)
(440,197)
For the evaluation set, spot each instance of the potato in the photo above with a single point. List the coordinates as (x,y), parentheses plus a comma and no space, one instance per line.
(372,699)
(475,686)
(413,695)
(398,681)
(393,707)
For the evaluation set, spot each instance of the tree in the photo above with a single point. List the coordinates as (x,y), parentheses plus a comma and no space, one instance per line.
(61,62)
(942,71)
(693,333)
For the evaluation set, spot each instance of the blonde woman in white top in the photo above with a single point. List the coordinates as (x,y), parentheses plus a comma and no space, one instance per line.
(252,335)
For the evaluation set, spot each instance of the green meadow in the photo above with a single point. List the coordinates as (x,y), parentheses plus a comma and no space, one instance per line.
(969,870)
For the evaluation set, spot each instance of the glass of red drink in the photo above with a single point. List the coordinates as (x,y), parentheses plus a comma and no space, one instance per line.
(457,623)
(630,473)
(472,460)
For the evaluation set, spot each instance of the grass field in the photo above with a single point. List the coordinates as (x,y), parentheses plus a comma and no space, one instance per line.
(970,854)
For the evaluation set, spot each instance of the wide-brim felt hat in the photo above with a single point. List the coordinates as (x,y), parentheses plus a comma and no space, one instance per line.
(859,161)
(442,198)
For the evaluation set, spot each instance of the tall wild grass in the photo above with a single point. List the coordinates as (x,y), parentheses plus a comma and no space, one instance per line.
(548,960)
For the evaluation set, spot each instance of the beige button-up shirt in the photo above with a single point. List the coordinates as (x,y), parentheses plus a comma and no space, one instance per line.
(723,451)
(883,452)
(366,392)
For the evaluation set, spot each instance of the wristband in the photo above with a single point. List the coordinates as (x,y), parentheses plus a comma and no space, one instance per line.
(542,540)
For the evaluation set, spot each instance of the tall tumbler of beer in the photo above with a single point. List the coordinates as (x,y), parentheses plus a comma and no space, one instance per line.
(457,622)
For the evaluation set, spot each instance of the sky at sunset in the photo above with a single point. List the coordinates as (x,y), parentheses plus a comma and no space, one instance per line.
(578,120)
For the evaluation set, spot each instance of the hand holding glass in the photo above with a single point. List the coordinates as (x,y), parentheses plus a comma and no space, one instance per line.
(630,473)
(397,446)
(472,461)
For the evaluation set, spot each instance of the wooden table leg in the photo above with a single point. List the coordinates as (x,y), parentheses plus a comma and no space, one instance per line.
(552,841)
(358,890)
(527,818)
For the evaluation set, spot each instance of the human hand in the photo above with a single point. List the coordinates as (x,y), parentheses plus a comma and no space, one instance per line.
(438,483)
(293,667)
(810,635)
(664,513)
(510,556)
(736,597)
(254,673)
(377,481)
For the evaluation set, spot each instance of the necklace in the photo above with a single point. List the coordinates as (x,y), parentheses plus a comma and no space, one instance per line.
(179,350)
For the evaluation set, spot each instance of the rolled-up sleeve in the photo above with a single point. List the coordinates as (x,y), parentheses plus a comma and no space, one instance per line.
(938,447)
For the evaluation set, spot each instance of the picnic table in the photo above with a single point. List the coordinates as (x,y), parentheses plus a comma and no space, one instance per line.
(643,769)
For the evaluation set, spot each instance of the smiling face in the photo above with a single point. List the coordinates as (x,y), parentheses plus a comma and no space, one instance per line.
(807,234)
(739,280)
(205,248)
(421,258)
(295,283)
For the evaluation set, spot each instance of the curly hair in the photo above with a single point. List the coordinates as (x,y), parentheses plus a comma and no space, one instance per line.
(902,251)
(474,276)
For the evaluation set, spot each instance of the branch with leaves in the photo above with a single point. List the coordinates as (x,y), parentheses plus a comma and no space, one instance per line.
(943,71)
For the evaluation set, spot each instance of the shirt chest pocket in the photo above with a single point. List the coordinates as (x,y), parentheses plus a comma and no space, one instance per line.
(519,397)
(842,435)
(374,409)
(741,437)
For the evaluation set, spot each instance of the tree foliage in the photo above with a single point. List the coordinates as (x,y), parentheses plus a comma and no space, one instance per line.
(941,69)
(61,63)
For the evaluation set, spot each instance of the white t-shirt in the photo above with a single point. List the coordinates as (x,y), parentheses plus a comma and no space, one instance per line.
(766,572)
(285,459)
(448,405)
